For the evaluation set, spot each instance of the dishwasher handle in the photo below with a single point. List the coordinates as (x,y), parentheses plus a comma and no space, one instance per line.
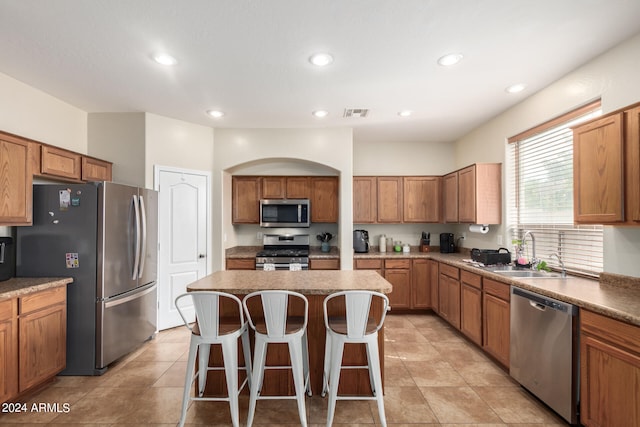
(537,305)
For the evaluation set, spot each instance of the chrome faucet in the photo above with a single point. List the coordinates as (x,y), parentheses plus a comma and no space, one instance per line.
(533,259)
(564,270)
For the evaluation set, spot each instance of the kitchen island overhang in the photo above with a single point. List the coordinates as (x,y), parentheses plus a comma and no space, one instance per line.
(315,285)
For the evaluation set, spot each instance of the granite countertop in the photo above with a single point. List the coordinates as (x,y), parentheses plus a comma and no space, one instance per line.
(308,282)
(20,286)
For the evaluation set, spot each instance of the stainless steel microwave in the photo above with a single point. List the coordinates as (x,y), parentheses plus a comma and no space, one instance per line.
(284,213)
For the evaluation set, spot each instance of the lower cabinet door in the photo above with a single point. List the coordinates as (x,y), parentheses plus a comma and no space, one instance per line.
(471,313)
(43,345)
(495,326)
(400,297)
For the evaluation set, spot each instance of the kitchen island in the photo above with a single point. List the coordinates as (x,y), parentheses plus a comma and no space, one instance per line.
(315,285)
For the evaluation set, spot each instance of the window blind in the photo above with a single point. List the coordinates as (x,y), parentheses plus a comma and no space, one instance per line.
(540,176)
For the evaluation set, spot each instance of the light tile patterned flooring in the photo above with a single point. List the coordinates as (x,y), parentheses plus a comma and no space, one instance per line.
(433,377)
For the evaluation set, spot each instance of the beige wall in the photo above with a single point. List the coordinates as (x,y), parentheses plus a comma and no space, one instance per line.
(33,114)
(612,76)
(316,151)
(402,158)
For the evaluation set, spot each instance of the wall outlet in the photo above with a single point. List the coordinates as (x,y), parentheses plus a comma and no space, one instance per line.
(464,236)
(499,239)
(259,235)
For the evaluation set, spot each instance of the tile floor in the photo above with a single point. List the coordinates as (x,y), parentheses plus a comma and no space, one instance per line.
(433,376)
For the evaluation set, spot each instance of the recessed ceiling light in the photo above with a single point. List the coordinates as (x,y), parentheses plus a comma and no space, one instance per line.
(321,59)
(215,114)
(320,113)
(516,88)
(164,59)
(450,59)
(405,113)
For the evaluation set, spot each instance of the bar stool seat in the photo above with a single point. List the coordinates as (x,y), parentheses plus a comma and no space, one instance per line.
(212,329)
(274,325)
(357,326)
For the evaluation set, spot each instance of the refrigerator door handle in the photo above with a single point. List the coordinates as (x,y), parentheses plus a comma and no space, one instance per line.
(143,249)
(136,260)
(136,295)
(2,253)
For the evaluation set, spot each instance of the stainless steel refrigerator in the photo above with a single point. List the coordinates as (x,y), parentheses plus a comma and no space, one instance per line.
(104,235)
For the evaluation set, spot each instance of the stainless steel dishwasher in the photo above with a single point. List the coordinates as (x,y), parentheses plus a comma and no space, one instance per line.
(544,350)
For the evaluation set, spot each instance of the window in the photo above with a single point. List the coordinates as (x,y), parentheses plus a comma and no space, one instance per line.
(540,177)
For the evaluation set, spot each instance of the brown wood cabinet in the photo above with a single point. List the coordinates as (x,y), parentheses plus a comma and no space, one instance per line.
(632,165)
(370,264)
(33,340)
(420,284)
(365,199)
(421,196)
(246,193)
(8,349)
(609,371)
(96,170)
(390,200)
(434,276)
(240,263)
(450,197)
(16,179)
(60,163)
(496,319)
(598,171)
(286,187)
(471,306)
(398,273)
(298,187)
(449,294)
(324,199)
(324,264)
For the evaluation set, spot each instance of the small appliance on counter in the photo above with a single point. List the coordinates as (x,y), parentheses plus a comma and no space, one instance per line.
(425,241)
(447,243)
(360,241)
(6,258)
(491,256)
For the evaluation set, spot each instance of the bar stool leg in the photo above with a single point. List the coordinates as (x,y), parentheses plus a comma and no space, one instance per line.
(327,365)
(230,357)
(297,368)
(305,359)
(203,365)
(246,350)
(259,360)
(374,371)
(191,363)
(337,349)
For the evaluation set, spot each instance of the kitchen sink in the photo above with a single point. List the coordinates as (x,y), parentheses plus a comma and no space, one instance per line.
(529,274)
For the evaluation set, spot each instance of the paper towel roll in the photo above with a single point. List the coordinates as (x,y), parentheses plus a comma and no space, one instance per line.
(477,228)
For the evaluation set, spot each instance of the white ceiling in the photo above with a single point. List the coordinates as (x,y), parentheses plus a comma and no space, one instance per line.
(250,58)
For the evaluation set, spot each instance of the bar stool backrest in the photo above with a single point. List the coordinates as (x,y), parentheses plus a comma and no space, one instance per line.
(207,307)
(358,307)
(275,307)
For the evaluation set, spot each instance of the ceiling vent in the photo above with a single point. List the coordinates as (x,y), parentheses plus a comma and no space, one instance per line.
(356,112)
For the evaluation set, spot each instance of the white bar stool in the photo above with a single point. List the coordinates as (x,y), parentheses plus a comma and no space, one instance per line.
(210,329)
(278,327)
(357,326)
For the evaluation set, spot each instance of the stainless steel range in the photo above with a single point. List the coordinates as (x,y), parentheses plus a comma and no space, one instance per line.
(284,252)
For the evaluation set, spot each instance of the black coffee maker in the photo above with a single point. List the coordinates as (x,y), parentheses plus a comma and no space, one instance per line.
(447,243)
(360,241)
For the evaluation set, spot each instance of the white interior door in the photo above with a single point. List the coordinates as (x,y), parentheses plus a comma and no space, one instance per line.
(183,230)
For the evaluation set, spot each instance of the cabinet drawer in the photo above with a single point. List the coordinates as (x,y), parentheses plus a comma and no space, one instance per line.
(39,300)
(241,263)
(324,264)
(614,331)
(368,264)
(397,263)
(449,270)
(471,279)
(7,309)
(498,289)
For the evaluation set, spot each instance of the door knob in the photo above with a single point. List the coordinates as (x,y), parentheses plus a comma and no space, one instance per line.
(202,256)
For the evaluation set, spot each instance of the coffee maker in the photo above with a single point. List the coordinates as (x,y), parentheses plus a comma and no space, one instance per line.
(447,243)
(360,241)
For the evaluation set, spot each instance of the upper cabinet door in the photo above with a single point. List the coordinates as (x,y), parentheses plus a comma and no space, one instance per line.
(598,174)
(62,163)
(16,180)
(324,199)
(274,187)
(298,187)
(632,166)
(390,201)
(421,198)
(95,169)
(450,196)
(365,199)
(467,195)
(245,199)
